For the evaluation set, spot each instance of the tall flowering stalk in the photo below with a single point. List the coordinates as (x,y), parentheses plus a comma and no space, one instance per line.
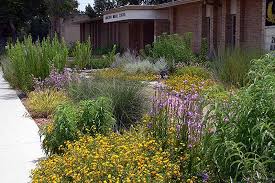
(176,121)
(180,111)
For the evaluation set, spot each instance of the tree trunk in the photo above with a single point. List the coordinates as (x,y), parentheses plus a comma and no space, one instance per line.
(13,31)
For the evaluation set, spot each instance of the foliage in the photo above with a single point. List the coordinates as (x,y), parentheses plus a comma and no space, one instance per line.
(126,58)
(176,121)
(27,60)
(242,147)
(145,66)
(232,66)
(128,99)
(194,71)
(82,54)
(115,158)
(44,103)
(106,60)
(173,48)
(96,116)
(119,74)
(89,117)
(204,51)
(55,80)
(63,128)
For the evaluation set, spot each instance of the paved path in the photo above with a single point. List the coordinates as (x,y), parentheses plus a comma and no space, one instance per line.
(19,140)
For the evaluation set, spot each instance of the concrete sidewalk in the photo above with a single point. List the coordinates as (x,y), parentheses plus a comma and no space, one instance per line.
(19,140)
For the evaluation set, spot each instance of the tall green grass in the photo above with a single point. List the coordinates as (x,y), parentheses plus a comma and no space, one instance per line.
(242,146)
(27,60)
(232,65)
(82,54)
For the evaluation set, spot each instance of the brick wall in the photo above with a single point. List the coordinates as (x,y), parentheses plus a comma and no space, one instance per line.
(161,26)
(251,24)
(188,18)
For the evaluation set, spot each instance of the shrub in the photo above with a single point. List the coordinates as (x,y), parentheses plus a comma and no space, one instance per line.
(173,48)
(128,99)
(27,60)
(63,128)
(82,54)
(145,67)
(105,61)
(242,146)
(116,158)
(96,116)
(193,71)
(44,103)
(89,117)
(232,66)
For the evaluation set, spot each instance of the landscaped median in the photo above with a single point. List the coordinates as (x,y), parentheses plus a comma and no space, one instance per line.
(110,125)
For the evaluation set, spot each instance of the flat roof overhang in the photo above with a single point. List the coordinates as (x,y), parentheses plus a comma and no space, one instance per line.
(176,3)
(136,14)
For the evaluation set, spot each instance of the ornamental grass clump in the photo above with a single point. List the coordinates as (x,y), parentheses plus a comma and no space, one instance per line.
(43,103)
(241,145)
(131,157)
(145,67)
(232,66)
(127,97)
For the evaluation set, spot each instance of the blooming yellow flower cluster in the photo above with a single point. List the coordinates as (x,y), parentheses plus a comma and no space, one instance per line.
(130,157)
(187,83)
(119,74)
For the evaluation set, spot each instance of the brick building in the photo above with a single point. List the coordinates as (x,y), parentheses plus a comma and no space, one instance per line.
(224,23)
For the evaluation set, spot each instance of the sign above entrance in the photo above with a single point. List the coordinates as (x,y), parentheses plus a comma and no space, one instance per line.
(136,15)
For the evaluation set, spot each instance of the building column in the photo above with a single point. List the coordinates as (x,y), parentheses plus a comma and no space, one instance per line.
(224,18)
(238,24)
(172,20)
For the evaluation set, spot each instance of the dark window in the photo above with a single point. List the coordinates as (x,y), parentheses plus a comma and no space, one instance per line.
(233,34)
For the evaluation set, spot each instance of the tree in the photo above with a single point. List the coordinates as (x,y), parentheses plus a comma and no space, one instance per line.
(102,5)
(89,10)
(15,14)
(58,9)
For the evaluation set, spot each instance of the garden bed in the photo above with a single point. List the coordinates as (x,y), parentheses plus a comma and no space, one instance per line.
(125,123)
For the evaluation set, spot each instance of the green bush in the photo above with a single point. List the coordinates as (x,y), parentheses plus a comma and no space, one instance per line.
(128,98)
(26,61)
(194,71)
(96,116)
(63,128)
(173,48)
(82,54)
(88,117)
(105,61)
(242,146)
(44,103)
(232,66)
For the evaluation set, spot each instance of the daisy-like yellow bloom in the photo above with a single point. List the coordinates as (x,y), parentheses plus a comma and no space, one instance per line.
(131,157)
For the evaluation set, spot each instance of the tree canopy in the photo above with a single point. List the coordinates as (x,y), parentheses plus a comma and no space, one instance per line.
(102,5)
(31,16)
